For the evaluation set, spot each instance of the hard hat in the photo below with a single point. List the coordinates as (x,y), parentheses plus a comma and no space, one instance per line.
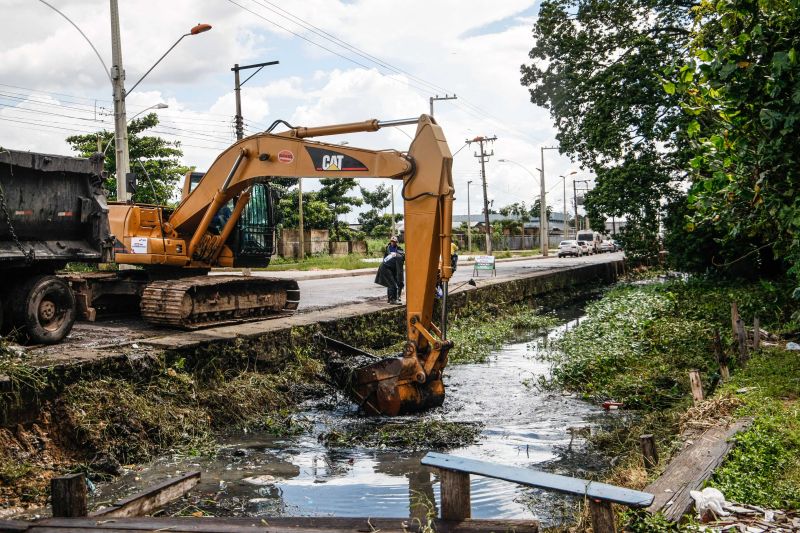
(393,239)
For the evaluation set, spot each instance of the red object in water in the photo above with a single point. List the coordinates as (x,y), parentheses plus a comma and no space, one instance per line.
(608,405)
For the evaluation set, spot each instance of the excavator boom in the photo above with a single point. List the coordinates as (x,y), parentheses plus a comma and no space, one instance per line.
(182,241)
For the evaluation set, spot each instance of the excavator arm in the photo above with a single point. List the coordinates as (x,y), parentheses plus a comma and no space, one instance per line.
(391,386)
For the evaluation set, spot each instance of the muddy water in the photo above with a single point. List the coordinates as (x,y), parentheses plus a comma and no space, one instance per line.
(261,475)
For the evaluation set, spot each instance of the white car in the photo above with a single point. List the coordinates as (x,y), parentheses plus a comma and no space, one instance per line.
(607,246)
(586,249)
(569,248)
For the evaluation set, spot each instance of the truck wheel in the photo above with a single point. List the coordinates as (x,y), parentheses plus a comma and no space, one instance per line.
(44,307)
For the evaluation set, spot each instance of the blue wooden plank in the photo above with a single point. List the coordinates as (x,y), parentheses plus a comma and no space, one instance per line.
(539,479)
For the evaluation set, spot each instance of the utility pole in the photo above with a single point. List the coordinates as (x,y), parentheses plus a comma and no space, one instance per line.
(437,97)
(120,117)
(483,157)
(469,220)
(544,231)
(302,228)
(238,92)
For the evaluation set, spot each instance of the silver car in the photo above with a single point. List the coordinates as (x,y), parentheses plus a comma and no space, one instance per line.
(569,248)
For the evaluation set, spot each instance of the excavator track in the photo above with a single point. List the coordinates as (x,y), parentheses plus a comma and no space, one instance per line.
(203,301)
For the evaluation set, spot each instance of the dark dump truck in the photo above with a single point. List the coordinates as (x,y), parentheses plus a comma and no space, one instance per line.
(52,212)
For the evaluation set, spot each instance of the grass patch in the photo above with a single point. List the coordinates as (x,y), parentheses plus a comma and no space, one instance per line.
(322,262)
(639,342)
(764,466)
(413,434)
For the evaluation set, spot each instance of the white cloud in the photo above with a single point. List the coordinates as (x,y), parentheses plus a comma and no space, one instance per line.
(453,44)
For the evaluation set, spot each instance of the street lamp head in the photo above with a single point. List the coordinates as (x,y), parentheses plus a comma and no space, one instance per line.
(160,106)
(502,160)
(200,28)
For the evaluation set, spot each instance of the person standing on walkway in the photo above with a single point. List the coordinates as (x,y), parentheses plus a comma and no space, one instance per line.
(453,256)
(390,271)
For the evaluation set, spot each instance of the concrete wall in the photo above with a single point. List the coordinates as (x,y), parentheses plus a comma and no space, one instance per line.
(316,242)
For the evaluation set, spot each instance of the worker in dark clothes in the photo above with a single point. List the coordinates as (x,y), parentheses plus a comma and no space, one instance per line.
(390,272)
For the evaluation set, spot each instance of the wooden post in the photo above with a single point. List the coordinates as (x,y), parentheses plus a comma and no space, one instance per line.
(68,494)
(722,357)
(756,333)
(649,451)
(455,495)
(734,318)
(697,386)
(741,336)
(602,517)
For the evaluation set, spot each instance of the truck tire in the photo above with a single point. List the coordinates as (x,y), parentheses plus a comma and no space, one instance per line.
(44,308)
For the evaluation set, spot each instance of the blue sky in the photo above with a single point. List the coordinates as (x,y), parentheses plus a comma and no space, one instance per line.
(471,48)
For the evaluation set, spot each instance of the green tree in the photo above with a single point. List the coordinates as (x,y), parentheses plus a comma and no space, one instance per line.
(520,215)
(316,213)
(536,210)
(595,66)
(155,160)
(334,194)
(378,199)
(741,94)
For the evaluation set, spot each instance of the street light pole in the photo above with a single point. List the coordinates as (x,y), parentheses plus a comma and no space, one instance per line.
(118,83)
(469,220)
(545,239)
(120,117)
(564,214)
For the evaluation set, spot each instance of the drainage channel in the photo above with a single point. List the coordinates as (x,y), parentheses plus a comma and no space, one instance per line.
(260,475)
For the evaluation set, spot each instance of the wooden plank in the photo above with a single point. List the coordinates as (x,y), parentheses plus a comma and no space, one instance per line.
(13,526)
(539,479)
(275,525)
(68,495)
(151,499)
(455,495)
(756,333)
(690,468)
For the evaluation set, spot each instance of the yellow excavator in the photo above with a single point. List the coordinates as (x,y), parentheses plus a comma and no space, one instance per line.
(178,247)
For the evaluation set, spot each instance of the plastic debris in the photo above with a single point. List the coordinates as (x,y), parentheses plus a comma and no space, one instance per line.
(609,405)
(792,346)
(260,480)
(709,503)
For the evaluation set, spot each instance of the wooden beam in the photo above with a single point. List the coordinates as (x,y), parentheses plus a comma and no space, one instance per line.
(602,517)
(68,496)
(455,495)
(151,499)
(649,451)
(741,336)
(690,468)
(756,333)
(277,525)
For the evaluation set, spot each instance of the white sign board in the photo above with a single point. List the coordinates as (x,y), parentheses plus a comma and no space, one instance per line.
(139,245)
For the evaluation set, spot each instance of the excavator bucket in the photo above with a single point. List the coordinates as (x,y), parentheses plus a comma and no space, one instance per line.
(381,386)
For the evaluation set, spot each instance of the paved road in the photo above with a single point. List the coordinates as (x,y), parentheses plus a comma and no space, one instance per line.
(325,293)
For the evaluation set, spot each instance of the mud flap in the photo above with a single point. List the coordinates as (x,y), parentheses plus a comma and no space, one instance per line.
(380,386)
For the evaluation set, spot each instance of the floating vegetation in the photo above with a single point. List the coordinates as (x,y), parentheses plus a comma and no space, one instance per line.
(409,434)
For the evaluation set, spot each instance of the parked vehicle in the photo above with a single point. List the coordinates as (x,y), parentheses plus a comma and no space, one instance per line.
(592,239)
(566,248)
(607,246)
(585,248)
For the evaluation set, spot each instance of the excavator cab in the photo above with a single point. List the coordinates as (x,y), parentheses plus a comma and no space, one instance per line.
(253,239)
